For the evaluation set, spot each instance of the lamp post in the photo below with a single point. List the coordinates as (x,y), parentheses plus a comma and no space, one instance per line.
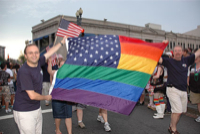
(78,16)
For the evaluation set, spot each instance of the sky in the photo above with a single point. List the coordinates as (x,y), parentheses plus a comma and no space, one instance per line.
(17,17)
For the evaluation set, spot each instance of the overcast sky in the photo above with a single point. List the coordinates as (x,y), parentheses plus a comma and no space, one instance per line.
(18,16)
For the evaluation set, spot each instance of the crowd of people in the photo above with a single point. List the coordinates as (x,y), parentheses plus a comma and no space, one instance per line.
(182,70)
(8,85)
(176,75)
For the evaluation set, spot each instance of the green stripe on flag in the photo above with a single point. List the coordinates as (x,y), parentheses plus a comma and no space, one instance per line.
(134,78)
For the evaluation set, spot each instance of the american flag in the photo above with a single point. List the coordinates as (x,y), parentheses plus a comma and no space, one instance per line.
(94,51)
(69,29)
(53,57)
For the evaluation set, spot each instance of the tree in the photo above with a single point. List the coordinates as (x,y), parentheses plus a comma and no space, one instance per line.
(22,59)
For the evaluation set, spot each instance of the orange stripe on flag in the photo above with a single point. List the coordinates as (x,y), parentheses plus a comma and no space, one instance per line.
(141,50)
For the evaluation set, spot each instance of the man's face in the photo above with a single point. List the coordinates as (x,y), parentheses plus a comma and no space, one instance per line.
(184,53)
(32,54)
(178,52)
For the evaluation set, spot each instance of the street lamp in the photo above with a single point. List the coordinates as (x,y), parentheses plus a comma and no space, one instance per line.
(78,16)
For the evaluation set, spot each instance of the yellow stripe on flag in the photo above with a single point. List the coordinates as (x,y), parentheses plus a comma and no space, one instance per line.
(137,63)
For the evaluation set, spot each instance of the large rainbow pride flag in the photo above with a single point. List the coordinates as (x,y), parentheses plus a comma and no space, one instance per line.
(106,71)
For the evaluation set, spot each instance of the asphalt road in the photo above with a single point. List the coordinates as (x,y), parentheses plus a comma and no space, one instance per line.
(139,122)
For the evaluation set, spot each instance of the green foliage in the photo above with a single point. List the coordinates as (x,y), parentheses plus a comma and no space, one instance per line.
(22,59)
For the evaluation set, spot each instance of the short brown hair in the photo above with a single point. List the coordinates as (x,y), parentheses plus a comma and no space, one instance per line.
(29,46)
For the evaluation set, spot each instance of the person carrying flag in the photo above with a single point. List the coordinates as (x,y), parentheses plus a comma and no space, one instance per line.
(177,68)
(27,111)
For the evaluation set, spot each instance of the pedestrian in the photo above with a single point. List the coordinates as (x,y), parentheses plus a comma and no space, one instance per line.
(168,106)
(141,100)
(4,87)
(11,84)
(46,82)
(177,68)
(150,90)
(185,52)
(194,84)
(159,91)
(27,111)
(103,118)
(61,109)
(79,113)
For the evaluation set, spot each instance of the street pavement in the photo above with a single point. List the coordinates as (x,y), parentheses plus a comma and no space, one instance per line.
(139,122)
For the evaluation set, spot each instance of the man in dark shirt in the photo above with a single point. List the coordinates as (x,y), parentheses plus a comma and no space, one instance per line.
(4,88)
(177,68)
(27,111)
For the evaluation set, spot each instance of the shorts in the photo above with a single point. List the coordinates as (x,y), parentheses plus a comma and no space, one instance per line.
(12,89)
(194,97)
(61,109)
(178,100)
(29,122)
(6,93)
(80,106)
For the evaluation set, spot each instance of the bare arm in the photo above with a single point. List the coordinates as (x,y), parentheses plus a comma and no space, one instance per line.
(36,96)
(159,72)
(188,79)
(161,59)
(197,53)
(49,69)
(55,48)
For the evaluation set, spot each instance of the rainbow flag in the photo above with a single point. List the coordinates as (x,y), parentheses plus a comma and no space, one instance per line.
(106,71)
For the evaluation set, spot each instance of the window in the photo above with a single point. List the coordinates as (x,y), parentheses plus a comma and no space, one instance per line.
(170,45)
(53,37)
(174,44)
(188,45)
(148,40)
(197,46)
(183,45)
(44,42)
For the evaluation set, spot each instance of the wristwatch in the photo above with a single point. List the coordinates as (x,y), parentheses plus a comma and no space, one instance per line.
(61,43)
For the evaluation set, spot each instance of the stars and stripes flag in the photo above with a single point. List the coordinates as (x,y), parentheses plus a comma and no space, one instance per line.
(106,71)
(69,29)
(53,57)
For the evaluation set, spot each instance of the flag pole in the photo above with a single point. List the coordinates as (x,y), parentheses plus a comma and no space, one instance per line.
(57,36)
(57,30)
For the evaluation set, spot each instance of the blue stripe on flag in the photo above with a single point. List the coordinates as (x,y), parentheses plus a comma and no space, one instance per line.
(111,88)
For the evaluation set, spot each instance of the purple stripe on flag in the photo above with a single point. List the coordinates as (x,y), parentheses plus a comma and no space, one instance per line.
(94,99)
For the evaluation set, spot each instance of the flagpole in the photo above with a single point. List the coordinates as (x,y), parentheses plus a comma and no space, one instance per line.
(57,36)
(57,30)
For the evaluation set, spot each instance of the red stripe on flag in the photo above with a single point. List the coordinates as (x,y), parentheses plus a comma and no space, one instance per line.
(72,30)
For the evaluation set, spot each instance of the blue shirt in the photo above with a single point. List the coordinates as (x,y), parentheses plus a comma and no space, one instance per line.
(28,78)
(177,71)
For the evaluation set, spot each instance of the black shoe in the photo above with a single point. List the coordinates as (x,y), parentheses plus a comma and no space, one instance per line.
(140,104)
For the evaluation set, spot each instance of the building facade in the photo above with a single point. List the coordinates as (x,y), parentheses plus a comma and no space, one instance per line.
(2,52)
(43,34)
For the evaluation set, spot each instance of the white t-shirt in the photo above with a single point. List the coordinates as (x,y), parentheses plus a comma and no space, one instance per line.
(165,74)
(11,75)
